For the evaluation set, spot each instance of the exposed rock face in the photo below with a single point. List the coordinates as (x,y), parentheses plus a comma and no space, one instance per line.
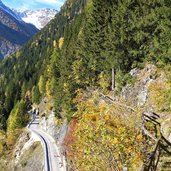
(7,48)
(19,149)
(62,132)
(28,154)
(151,94)
(138,93)
(48,125)
(58,132)
(150,85)
(142,97)
(32,159)
(169,138)
(48,121)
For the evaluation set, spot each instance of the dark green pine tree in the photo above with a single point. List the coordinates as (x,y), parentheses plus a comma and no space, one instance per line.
(91,52)
(35,95)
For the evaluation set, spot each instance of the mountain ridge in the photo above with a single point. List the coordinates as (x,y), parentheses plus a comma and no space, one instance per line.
(14,31)
(39,18)
(9,11)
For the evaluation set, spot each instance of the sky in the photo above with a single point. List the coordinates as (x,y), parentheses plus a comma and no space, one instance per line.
(33,4)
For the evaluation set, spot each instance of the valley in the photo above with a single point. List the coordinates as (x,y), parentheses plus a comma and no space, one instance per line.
(14,32)
(91,90)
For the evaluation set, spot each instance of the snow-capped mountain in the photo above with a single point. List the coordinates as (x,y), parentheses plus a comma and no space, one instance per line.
(14,32)
(39,17)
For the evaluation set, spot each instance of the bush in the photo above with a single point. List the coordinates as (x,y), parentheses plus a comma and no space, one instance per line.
(123,79)
(104,137)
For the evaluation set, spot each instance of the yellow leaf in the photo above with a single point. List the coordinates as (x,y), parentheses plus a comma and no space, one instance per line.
(115,141)
(61,41)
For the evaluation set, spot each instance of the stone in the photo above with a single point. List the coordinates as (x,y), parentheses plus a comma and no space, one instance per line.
(142,97)
(169,138)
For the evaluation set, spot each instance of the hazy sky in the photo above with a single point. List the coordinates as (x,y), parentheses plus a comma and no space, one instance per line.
(33,4)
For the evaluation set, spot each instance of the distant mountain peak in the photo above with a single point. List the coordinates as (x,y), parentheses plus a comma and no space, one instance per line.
(39,17)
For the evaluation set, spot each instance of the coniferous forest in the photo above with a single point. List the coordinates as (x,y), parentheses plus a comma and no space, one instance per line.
(73,56)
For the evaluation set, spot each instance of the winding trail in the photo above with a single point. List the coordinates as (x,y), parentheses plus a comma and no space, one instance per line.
(52,159)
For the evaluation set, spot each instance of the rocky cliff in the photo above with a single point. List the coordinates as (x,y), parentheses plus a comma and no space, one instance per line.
(150,92)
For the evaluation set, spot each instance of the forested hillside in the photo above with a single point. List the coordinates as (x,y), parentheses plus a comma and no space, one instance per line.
(71,58)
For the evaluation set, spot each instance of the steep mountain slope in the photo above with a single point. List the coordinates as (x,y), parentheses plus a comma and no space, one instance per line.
(9,11)
(14,32)
(32,60)
(68,66)
(40,18)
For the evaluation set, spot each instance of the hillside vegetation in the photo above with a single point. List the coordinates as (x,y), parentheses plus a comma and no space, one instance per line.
(74,55)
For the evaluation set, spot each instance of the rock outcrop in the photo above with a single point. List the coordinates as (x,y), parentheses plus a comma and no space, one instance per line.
(28,154)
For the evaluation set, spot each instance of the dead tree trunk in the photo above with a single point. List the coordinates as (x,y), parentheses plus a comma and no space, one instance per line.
(113,81)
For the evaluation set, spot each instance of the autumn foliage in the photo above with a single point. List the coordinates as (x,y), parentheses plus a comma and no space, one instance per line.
(101,138)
